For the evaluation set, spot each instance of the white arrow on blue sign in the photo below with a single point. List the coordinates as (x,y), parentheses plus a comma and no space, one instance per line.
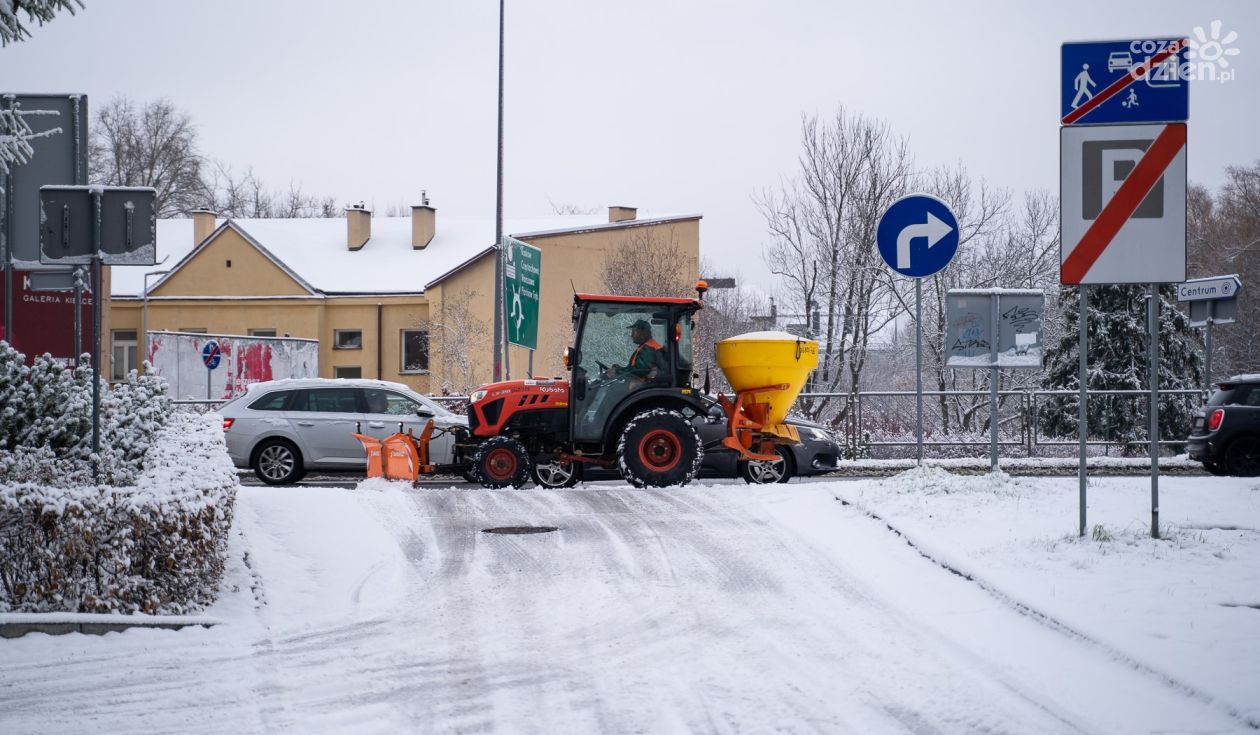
(210,354)
(918,235)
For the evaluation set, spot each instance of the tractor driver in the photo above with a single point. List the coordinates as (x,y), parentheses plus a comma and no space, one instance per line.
(645,362)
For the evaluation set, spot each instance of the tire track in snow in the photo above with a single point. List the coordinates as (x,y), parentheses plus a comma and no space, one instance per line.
(1058,626)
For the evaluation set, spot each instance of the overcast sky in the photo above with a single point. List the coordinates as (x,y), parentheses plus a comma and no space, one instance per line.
(671,106)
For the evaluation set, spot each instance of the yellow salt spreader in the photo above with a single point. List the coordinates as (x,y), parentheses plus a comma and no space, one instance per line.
(767,371)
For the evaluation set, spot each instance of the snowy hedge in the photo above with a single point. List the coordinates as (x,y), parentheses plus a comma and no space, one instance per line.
(46,422)
(157,546)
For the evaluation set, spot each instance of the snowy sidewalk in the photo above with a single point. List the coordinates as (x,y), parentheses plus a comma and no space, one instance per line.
(1185,607)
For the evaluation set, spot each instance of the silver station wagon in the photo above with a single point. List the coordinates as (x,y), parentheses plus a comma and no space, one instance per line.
(283,429)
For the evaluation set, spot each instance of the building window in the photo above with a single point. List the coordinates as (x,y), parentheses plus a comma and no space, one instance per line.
(347,339)
(415,351)
(124,354)
(347,372)
(262,332)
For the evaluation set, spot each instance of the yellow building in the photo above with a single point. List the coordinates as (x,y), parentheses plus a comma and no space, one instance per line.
(408,299)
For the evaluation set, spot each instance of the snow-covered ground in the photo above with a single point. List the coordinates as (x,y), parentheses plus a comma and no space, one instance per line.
(925,603)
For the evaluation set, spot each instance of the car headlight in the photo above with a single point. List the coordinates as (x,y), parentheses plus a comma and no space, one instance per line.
(812,434)
(476,396)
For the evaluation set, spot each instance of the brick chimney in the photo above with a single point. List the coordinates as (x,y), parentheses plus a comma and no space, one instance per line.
(423,224)
(203,224)
(358,226)
(621,214)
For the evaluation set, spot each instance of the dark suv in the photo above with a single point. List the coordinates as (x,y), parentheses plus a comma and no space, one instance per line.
(1225,434)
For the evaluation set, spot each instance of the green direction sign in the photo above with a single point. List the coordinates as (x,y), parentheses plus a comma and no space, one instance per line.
(521,275)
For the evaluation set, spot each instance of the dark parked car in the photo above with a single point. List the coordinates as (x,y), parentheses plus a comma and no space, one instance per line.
(1225,434)
(817,453)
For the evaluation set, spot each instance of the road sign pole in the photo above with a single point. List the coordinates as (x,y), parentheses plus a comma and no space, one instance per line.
(1082,424)
(994,376)
(1207,356)
(97,288)
(530,372)
(209,372)
(498,224)
(78,315)
(1152,316)
(918,368)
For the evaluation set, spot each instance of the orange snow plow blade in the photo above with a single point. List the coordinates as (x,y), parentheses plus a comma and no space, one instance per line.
(398,456)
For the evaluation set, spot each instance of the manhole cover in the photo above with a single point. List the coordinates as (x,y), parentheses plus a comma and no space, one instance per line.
(520,530)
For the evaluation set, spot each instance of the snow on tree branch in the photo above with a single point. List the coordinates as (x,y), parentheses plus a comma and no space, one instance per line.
(12,29)
(15,146)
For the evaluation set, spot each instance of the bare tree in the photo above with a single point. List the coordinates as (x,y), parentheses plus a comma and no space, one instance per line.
(154,145)
(822,245)
(243,195)
(13,29)
(565,208)
(1223,232)
(457,336)
(647,262)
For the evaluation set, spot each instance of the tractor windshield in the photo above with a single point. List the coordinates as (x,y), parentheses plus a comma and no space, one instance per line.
(624,347)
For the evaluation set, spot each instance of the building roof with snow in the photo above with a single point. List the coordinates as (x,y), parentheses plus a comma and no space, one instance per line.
(315,252)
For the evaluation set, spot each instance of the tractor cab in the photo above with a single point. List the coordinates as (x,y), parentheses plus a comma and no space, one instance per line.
(628,352)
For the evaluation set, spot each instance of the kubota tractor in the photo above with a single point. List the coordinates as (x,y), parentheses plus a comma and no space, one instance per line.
(603,414)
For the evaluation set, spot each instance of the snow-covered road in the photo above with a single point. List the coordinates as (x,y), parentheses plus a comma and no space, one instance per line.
(709,609)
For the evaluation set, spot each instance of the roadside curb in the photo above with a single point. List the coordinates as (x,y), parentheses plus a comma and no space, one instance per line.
(18,625)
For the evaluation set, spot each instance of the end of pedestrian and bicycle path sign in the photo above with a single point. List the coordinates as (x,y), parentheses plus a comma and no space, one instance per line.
(918,235)
(1143,80)
(211,354)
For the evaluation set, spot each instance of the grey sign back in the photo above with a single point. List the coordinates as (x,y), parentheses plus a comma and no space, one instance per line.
(57,158)
(126,226)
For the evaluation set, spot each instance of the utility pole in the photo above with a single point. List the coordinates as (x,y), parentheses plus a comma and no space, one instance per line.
(498,224)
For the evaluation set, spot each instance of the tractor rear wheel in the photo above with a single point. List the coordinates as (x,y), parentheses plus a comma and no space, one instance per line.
(501,461)
(659,448)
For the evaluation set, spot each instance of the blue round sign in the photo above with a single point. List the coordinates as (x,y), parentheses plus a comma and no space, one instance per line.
(211,355)
(918,235)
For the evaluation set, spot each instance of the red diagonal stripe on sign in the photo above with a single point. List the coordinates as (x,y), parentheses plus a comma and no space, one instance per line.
(1136,186)
(1115,87)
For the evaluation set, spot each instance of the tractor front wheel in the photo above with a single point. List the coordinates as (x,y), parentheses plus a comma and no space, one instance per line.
(501,461)
(659,448)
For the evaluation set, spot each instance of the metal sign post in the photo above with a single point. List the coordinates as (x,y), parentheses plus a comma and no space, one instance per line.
(917,237)
(1082,416)
(1152,316)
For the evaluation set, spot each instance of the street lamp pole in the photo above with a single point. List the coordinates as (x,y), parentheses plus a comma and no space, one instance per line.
(498,224)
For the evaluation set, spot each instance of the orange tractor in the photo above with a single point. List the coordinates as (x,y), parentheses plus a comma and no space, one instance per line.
(609,414)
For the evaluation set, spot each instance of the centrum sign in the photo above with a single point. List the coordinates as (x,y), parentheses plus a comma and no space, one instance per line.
(1202,289)
(521,276)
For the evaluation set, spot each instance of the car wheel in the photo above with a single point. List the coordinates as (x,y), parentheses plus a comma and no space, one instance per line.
(501,461)
(555,473)
(659,448)
(1242,456)
(767,473)
(278,462)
